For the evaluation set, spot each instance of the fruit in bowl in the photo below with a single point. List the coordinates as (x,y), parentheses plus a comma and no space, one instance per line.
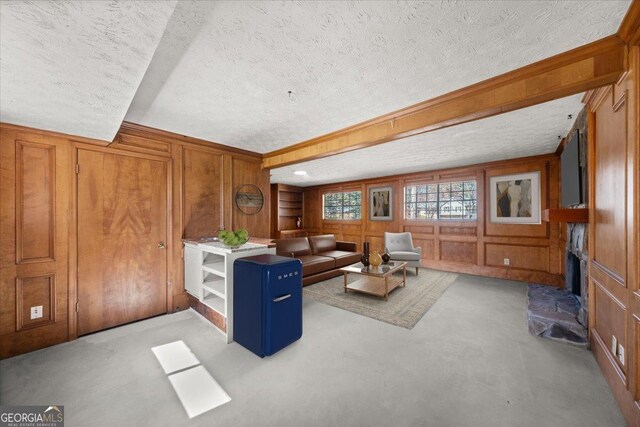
(234,239)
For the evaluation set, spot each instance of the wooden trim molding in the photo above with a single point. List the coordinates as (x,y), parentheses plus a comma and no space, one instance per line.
(49,134)
(159,135)
(629,29)
(23,211)
(615,276)
(578,70)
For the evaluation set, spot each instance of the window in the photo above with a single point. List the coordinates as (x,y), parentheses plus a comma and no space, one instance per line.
(342,205)
(450,200)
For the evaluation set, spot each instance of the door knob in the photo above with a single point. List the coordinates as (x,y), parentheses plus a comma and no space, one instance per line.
(161,245)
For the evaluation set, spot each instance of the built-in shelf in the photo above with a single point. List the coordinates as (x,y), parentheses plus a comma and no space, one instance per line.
(215,286)
(216,303)
(288,234)
(215,268)
(566,215)
(208,271)
(287,205)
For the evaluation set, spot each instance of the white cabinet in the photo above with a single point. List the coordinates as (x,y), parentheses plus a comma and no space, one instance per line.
(192,282)
(208,275)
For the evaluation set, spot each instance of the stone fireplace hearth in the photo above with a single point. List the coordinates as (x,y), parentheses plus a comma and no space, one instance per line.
(562,314)
(553,314)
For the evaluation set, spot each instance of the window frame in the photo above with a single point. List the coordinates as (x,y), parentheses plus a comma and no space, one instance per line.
(341,205)
(438,201)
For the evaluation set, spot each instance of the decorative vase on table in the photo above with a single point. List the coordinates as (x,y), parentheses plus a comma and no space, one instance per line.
(365,254)
(385,256)
(375,259)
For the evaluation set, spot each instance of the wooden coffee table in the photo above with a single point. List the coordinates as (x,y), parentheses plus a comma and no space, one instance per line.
(377,281)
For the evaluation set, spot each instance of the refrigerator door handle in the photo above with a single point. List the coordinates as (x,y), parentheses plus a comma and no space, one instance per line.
(282,298)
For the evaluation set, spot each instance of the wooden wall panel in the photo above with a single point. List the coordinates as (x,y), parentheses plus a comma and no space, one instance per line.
(610,185)
(520,256)
(35,202)
(419,229)
(610,319)
(352,233)
(636,356)
(459,245)
(35,173)
(33,292)
(37,180)
(175,276)
(202,188)
(427,245)
(614,228)
(312,211)
(463,252)
(458,230)
(251,172)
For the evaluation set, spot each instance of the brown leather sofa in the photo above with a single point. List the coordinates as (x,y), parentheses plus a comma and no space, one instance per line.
(321,256)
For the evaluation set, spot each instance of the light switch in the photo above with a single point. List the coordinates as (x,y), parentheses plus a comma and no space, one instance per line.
(614,345)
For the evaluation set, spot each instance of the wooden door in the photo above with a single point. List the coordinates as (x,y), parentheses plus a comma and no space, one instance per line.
(122,237)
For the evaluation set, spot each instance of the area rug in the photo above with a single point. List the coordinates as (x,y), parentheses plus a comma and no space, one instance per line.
(405,306)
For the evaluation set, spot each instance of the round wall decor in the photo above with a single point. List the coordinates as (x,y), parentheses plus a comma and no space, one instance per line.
(249,199)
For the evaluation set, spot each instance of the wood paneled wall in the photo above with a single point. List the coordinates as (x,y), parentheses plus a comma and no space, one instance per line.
(38,219)
(476,246)
(614,276)
(35,195)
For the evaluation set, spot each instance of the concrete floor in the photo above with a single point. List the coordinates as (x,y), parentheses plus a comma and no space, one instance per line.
(469,362)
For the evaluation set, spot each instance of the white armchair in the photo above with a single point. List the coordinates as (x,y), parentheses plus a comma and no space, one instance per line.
(400,248)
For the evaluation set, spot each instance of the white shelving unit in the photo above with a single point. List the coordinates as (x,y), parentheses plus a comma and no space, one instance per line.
(208,275)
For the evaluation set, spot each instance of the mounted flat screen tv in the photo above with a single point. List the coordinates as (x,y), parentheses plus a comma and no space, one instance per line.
(571,172)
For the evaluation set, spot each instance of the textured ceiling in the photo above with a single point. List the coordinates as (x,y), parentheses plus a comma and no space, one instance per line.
(75,66)
(527,132)
(223,69)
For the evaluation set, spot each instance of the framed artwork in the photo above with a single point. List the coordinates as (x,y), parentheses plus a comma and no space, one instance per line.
(515,199)
(381,204)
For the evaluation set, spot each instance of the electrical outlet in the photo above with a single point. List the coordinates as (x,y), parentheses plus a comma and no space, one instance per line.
(506,261)
(621,354)
(614,345)
(36,312)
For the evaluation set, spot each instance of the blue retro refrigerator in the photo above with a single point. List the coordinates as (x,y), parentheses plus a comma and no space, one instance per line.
(267,302)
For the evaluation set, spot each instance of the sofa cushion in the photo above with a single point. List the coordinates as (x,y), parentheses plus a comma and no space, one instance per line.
(296,247)
(324,243)
(346,246)
(404,256)
(343,258)
(312,264)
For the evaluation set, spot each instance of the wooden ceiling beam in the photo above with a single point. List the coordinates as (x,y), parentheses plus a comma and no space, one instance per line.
(578,70)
